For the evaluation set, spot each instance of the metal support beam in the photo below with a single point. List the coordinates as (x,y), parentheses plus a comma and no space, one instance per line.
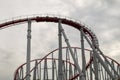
(95,63)
(67,59)
(83,54)
(35,70)
(60,73)
(28,50)
(70,71)
(45,75)
(53,62)
(72,54)
(91,71)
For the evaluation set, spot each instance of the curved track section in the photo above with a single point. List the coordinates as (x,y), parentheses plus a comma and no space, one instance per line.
(46,68)
(51,18)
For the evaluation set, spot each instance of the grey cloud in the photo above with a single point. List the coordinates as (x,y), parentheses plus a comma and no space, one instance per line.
(102,16)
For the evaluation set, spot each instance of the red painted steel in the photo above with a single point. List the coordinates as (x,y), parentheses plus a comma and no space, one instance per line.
(48,19)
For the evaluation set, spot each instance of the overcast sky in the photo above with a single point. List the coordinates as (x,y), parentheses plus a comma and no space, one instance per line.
(102,16)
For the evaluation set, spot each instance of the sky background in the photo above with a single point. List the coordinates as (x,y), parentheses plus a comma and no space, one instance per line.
(102,16)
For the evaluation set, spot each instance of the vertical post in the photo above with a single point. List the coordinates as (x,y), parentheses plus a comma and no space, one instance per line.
(53,62)
(95,63)
(28,50)
(60,75)
(40,71)
(66,62)
(35,70)
(45,75)
(70,71)
(91,75)
(83,54)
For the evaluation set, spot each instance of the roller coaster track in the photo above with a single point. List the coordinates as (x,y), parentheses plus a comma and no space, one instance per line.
(64,62)
(39,66)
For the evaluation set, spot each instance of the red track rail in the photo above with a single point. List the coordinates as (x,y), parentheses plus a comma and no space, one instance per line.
(87,66)
(52,19)
(45,57)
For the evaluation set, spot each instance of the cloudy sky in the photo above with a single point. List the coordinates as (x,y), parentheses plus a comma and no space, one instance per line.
(102,16)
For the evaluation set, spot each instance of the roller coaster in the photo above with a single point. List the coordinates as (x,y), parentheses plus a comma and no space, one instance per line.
(65,63)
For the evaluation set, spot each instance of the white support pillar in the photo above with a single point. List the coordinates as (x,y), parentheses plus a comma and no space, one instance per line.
(60,73)
(91,70)
(28,50)
(83,54)
(95,64)
(53,72)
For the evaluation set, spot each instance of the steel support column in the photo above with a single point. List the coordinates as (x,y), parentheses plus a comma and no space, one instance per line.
(91,70)
(60,73)
(45,75)
(28,50)
(53,62)
(95,64)
(83,54)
